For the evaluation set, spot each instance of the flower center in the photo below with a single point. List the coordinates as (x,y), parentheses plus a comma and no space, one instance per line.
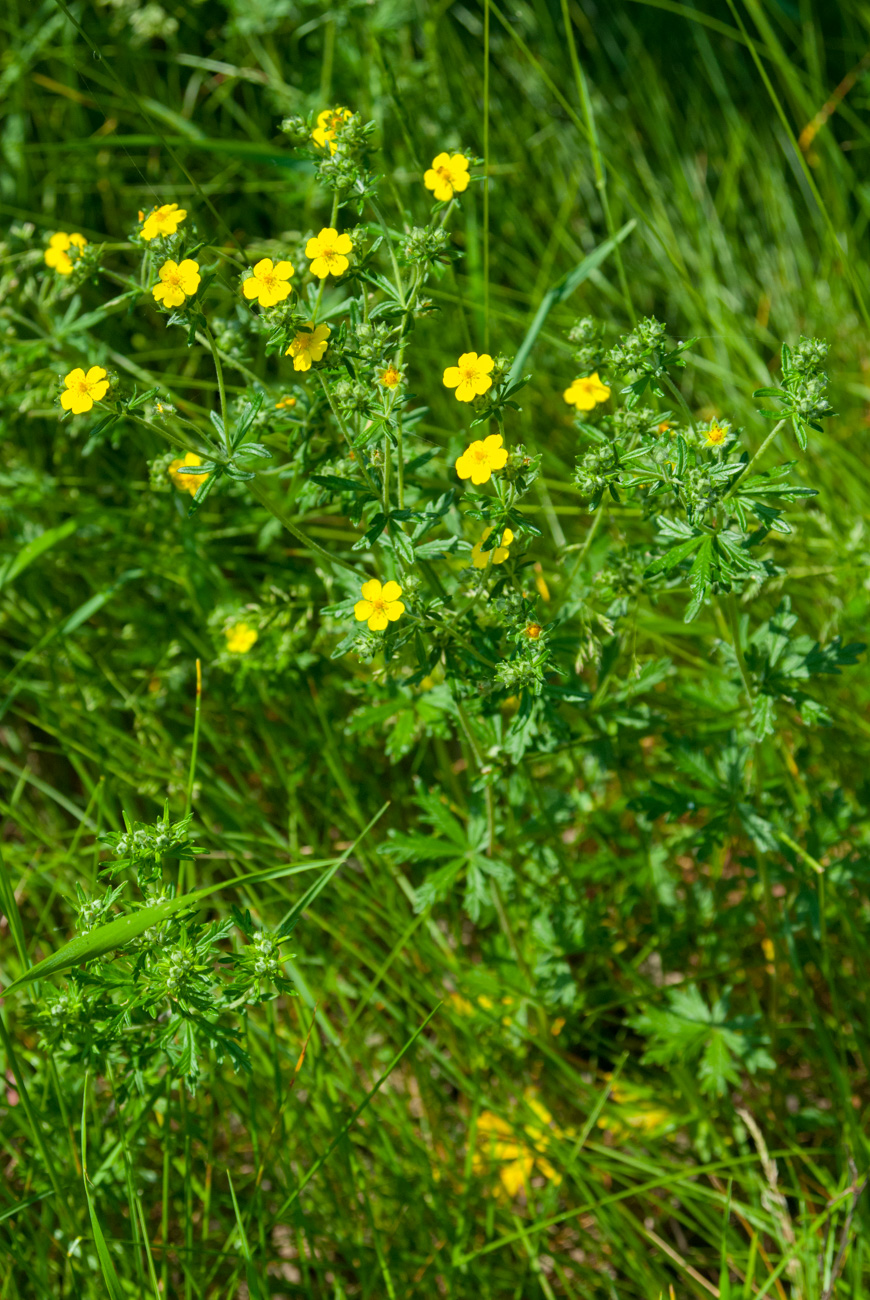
(82,387)
(173,279)
(328,254)
(444,173)
(269,280)
(481,454)
(469,375)
(379,604)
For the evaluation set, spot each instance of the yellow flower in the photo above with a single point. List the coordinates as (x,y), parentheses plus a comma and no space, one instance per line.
(499,554)
(240,638)
(391,377)
(447,176)
(328,252)
(515,1152)
(177,280)
(268,284)
(82,390)
(586,393)
(57,254)
(470,377)
(717,434)
(163,221)
(285,402)
(379,605)
(328,123)
(479,460)
(187,482)
(533,631)
(308,345)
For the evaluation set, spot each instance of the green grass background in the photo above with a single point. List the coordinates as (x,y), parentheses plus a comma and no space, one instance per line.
(685,119)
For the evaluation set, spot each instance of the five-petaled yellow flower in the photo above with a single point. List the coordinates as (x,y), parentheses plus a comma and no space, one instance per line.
(308,345)
(499,554)
(717,434)
(479,460)
(328,123)
(240,637)
(82,390)
(328,252)
(57,254)
(470,377)
(187,482)
(380,605)
(268,284)
(177,281)
(164,220)
(447,176)
(586,393)
(391,377)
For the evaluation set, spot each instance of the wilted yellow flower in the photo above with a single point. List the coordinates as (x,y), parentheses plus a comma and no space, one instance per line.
(480,558)
(391,377)
(479,460)
(328,123)
(380,605)
(285,403)
(186,482)
(328,252)
(163,221)
(177,281)
(533,631)
(268,283)
(308,345)
(586,393)
(470,377)
(447,176)
(240,637)
(57,254)
(717,434)
(82,390)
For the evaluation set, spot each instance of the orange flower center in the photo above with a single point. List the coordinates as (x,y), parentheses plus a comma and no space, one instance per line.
(379,605)
(269,280)
(82,387)
(160,217)
(533,631)
(172,278)
(328,254)
(481,454)
(444,173)
(469,375)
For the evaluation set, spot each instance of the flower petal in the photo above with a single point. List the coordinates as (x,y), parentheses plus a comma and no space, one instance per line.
(378,621)
(98,391)
(312,248)
(371,590)
(395,609)
(284,270)
(263,267)
(344,244)
(362,610)
(251,287)
(75,377)
(94,374)
(463,465)
(391,591)
(451,376)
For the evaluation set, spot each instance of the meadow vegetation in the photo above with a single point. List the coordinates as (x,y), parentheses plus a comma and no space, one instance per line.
(434,732)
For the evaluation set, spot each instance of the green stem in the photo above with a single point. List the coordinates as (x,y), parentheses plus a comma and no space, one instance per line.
(681,400)
(400,288)
(259,491)
(333,217)
(486,175)
(349,441)
(597,162)
(221,389)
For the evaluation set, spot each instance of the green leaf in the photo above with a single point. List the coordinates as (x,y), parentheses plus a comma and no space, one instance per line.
(17,563)
(671,558)
(107,1267)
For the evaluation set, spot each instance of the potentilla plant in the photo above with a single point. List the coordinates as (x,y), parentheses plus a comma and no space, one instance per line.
(444,587)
